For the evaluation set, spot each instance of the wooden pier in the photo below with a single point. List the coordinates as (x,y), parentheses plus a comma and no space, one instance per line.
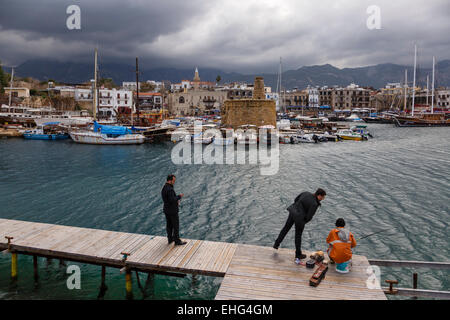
(249,272)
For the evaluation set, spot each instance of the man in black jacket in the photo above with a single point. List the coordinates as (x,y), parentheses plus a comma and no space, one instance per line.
(300,213)
(171,201)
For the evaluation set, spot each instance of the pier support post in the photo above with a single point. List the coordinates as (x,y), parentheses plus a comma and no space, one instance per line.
(194,280)
(35,268)
(14,266)
(415,278)
(128,284)
(103,286)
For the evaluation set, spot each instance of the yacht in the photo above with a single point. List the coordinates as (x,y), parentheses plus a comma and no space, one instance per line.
(103,134)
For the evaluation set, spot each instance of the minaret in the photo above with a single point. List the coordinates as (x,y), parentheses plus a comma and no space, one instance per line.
(196,80)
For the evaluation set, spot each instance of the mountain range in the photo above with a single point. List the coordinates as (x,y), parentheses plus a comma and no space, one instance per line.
(376,76)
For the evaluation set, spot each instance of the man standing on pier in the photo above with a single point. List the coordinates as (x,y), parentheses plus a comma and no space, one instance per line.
(171,201)
(300,213)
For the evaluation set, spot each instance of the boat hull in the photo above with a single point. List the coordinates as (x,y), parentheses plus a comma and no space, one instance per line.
(32,136)
(102,139)
(417,122)
(352,138)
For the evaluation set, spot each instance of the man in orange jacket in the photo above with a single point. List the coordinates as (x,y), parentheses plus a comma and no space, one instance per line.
(341,242)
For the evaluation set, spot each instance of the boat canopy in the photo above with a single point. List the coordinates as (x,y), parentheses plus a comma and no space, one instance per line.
(116,130)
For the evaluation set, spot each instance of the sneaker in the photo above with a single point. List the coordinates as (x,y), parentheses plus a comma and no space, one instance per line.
(170,241)
(299,262)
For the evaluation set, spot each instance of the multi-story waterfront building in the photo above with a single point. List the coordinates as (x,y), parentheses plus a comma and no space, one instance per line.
(338,98)
(348,98)
(196,98)
(295,98)
(110,100)
(150,101)
(443,99)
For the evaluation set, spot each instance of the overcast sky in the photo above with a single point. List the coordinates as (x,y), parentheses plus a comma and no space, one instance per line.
(233,35)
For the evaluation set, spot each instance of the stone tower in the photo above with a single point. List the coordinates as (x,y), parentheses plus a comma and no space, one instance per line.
(196,80)
(258,90)
(256,111)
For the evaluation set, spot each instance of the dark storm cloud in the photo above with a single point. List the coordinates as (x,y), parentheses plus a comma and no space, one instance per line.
(247,36)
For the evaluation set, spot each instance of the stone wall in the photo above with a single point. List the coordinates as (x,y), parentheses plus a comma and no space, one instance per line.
(236,113)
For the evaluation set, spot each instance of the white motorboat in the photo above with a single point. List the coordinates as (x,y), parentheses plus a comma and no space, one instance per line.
(307,138)
(354,118)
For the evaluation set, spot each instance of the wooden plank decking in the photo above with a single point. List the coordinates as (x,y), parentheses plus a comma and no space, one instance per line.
(260,273)
(250,272)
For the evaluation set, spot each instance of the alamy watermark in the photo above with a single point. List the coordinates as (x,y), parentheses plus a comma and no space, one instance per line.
(223,151)
(74,280)
(374,20)
(373,282)
(73,22)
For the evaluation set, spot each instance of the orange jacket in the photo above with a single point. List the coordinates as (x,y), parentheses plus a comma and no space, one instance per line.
(340,249)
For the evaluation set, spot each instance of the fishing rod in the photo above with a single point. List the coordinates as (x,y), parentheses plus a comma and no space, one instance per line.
(372,234)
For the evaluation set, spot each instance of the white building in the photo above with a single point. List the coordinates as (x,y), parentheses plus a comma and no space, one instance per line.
(442,99)
(185,84)
(130,85)
(395,85)
(110,100)
(313,97)
(83,94)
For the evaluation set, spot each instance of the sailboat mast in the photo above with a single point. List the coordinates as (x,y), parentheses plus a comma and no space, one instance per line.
(137,90)
(11,86)
(281,90)
(406,89)
(414,81)
(432,86)
(94,100)
(428,85)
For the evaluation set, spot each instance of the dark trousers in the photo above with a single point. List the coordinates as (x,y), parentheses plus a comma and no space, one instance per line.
(172,227)
(299,226)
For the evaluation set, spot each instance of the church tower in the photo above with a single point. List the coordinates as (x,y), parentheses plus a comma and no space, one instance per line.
(196,80)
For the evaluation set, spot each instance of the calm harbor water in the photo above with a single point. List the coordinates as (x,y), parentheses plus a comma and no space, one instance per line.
(399,180)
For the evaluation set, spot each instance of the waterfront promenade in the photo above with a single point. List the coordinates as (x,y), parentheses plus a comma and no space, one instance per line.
(249,272)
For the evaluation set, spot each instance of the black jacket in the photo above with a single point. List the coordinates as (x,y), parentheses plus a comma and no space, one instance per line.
(305,207)
(170,199)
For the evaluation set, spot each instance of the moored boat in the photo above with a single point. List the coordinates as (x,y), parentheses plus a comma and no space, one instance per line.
(103,134)
(347,134)
(46,131)
(423,120)
(362,130)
